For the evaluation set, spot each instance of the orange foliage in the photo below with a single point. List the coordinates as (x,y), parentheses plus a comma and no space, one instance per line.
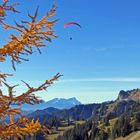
(30,34)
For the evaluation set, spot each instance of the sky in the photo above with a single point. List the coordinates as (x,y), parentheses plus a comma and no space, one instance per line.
(101,59)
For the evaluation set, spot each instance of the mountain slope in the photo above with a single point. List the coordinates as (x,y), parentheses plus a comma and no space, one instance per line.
(125,102)
(78,112)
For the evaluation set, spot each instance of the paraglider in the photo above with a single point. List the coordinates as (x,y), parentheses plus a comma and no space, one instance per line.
(72,23)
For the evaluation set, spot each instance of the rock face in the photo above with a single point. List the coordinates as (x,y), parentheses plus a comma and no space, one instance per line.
(123,95)
(129,95)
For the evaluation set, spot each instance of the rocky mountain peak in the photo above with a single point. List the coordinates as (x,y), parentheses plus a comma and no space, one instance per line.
(123,95)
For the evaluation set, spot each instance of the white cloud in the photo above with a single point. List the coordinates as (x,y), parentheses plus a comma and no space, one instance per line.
(106,79)
(102,49)
(100,79)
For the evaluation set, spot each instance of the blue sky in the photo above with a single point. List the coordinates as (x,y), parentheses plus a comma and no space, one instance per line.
(101,59)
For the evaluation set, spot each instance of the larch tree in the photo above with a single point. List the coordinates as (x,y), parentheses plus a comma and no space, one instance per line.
(30,35)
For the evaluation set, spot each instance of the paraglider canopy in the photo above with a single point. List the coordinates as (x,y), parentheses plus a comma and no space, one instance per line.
(72,23)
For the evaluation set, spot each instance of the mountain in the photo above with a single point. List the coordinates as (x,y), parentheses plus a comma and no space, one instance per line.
(125,102)
(59,103)
(102,120)
(62,103)
(113,120)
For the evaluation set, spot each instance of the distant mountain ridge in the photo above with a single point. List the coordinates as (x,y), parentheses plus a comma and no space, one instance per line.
(77,112)
(43,114)
(59,103)
(124,102)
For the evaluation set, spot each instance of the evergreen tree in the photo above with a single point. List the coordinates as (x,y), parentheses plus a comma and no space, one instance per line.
(94,131)
(126,128)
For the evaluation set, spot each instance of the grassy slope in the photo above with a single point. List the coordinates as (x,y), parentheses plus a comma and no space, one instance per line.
(61,130)
(132,136)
